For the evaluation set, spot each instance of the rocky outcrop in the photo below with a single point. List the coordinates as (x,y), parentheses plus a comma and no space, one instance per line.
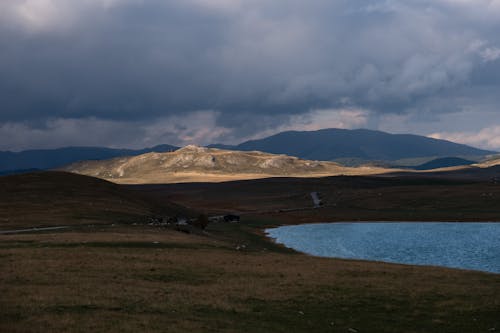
(201,161)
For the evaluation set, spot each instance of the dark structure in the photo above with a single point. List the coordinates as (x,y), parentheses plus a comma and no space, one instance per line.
(231,218)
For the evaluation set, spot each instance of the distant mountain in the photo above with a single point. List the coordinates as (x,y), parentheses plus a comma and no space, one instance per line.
(444,162)
(491,161)
(17,172)
(198,164)
(12,162)
(332,144)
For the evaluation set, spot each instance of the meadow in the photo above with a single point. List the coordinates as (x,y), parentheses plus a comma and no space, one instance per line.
(127,276)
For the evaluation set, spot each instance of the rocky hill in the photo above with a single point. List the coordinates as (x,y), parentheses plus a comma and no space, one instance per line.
(193,163)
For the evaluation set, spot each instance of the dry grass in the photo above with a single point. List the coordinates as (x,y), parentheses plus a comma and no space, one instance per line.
(344,198)
(136,278)
(207,177)
(197,164)
(188,177)
(121,281)
(57,198)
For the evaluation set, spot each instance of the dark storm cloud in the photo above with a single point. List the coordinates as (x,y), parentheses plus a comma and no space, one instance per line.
(127,62)
(141,60)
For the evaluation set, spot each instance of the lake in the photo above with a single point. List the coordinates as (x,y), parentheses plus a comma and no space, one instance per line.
(473,246)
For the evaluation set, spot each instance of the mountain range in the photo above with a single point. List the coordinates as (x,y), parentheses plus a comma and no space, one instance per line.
(348,147)
(368,145)
(41,159)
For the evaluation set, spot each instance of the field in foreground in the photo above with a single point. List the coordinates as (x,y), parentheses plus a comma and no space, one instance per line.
(124,278)
(130,279)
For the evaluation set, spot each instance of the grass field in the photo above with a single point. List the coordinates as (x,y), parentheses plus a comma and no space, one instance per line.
(142,279)
(130,278)
(45,199)
(345,198)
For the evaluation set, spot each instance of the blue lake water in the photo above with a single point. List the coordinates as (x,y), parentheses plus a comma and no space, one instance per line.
(473,246)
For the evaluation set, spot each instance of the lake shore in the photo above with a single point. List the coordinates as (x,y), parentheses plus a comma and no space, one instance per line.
(460,245)
(143,278)
(231,278)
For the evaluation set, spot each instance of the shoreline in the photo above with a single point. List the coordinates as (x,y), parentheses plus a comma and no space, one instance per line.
(275,241)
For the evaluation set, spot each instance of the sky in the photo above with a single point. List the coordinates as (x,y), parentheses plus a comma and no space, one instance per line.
(137,73)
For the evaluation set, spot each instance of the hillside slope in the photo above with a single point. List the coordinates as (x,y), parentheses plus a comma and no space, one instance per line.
(493,161)
(445,162)
(10,162)
(194,163)
(44,199)
(332,144)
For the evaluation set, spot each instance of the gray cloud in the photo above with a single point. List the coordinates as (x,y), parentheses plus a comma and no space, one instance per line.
(256,64)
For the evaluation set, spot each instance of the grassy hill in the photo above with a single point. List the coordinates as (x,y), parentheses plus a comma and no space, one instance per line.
(462,195)
(58,198)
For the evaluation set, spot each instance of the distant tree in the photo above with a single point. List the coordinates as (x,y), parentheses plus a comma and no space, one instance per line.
(202,221)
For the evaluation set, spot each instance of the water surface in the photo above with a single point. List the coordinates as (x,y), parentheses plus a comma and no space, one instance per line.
(458,245)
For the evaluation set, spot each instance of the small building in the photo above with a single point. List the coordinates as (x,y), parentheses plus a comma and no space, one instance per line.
(182,221)
(218,218)
(231,218)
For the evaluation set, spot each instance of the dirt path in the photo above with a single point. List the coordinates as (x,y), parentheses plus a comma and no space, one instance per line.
(18,231)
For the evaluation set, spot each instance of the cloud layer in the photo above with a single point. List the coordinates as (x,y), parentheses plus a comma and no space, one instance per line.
(256,65)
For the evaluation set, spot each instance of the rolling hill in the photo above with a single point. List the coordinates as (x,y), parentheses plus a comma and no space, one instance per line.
(490,162)
(444,162)
(11,162)
(193,163)
(44,199)
(368,145)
